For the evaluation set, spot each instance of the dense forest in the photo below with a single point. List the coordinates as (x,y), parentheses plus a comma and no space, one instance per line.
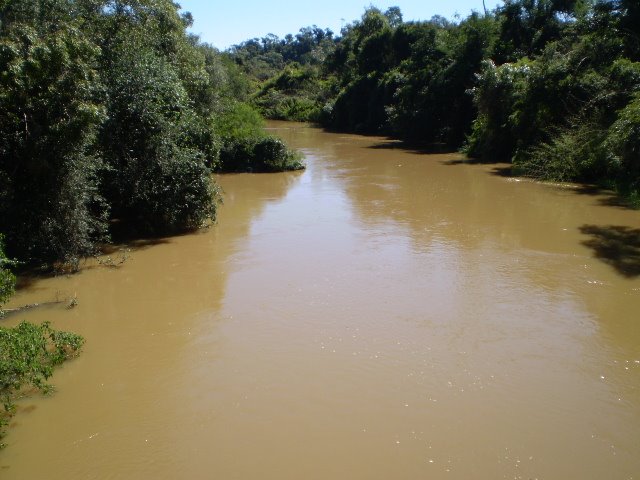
(110,112)
(552,86)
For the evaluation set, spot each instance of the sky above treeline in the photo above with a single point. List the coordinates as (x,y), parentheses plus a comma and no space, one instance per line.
(226,23)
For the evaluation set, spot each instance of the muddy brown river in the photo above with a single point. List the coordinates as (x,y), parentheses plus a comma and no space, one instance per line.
(385,314)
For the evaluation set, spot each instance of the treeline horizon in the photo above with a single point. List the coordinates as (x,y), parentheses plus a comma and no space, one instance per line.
(551,86)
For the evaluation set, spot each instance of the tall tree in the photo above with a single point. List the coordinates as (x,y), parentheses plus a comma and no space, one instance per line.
(49,115)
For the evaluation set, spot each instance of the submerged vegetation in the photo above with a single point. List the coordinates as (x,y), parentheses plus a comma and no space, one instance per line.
(28,355)
(28,352)
(552,86)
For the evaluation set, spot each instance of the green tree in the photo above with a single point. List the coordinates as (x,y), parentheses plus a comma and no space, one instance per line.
(49,114)
(569,112)
(157,178)
(434,103)
(526,26)
(7,278)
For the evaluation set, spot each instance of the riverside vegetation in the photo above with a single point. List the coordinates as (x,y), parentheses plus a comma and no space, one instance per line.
(552,86)
(110,113)
(110,110)
(28,353)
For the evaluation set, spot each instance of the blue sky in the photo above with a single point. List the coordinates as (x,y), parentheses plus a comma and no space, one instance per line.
(225,23)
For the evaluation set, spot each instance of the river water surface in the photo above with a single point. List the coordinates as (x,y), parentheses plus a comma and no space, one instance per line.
(385,314)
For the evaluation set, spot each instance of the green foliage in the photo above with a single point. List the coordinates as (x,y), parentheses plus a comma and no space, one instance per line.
(264,58)
(7,278)
(550,85)
(158,142)
(364,63)
(498,91)
(49,114)
(623,141)
(226,80)
(527,26)
(28,355)
(360,106)
(111,111)
(373,47)
(411,79)
(258,155)
(573,153)
(297,93)
(157,177)
(276,105)
(245,145)
(287,73)
(567,113)
(238,120)
(433,103)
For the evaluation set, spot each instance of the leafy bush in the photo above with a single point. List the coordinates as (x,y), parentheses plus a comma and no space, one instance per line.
(7,279)
(273,155)
(28,354)
(573,153)
(266,154)
(169,194)
(500,97)
(623,141)
(360,106)
(245,145)
(297,94)
(157,178)
(238,120)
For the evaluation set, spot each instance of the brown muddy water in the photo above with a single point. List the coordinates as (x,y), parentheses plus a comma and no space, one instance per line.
(385,314)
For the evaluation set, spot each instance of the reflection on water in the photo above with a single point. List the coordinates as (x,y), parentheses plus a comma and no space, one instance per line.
(385,314)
